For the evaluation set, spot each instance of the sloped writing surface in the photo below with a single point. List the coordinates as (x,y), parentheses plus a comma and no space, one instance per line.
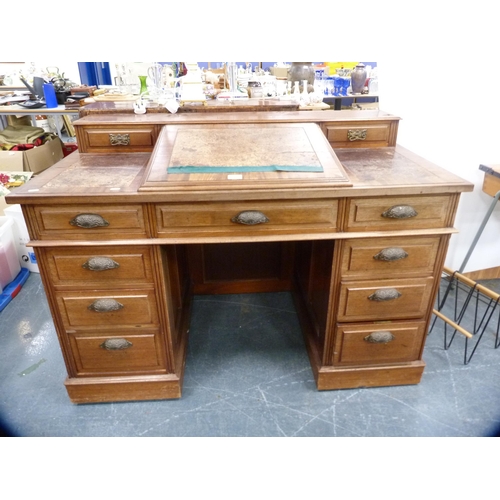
(260,150)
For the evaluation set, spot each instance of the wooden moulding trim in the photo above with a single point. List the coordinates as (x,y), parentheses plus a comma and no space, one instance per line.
(179,238)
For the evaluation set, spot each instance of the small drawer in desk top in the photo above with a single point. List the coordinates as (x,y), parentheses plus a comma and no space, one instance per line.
(242,218)
(394,213)
(97,266)
(117,353)
(115,139)
(378,343)
(95,222)
(360,135)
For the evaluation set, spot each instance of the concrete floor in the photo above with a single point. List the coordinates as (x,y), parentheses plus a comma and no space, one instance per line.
(247,374)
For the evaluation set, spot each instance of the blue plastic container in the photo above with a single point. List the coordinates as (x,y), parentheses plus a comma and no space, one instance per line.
(50,95)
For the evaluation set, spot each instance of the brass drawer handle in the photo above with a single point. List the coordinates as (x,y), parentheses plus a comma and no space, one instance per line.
(400,212)
(385,294)
(250,218)
(119,139)
(89,221)
(100,264)
(379,337)
(116,344)
(105,305)
(357,134)
(391,254)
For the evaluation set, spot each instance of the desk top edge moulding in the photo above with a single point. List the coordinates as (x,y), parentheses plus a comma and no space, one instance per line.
(126,232)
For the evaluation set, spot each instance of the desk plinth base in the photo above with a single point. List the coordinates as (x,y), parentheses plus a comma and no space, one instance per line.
(111,389)
(329,378)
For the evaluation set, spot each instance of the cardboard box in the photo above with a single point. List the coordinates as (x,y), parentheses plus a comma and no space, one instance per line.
(26,255)
(33,160)
(279,72)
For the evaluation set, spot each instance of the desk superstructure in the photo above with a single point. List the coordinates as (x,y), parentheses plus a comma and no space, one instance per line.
(354,226)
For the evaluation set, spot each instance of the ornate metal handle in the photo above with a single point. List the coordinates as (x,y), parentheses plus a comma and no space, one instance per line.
(357,134)
(89,221)
(390,254)
(380,337)
(250,218)
(119,139)
(400,212)
(116,344)
(105,305)
(385,294)
(100,264)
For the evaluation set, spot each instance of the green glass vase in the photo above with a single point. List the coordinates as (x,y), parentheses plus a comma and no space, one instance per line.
(144,86)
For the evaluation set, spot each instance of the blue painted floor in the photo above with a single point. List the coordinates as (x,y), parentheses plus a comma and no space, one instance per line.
(247,374)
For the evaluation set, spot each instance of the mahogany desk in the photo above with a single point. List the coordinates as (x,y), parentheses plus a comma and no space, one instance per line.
(123,241)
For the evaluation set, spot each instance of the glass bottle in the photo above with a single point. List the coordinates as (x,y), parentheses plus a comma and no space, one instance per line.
(304,96)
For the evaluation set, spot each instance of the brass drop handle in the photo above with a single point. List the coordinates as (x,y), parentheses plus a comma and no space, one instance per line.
(250,218)
(385,294)
(89,221)
(116,344)
(391,254)
(400,212)
(105,305)
(379,337)
(119,139)
(100,264)
(357,134)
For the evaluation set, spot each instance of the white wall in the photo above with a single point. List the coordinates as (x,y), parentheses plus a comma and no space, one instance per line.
(442,77)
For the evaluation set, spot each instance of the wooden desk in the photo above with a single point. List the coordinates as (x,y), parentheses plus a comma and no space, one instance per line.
(122,244)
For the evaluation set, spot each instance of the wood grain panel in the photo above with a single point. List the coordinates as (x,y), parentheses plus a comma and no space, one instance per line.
(351,348)
(143,354)
(356,306)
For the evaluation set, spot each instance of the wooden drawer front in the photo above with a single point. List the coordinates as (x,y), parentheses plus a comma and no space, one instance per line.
(358,135)
(116,139)
(107,353)
(382,257)
(216,218)
(409,212)
(92,266)
(95,222)
(375,343)
(356,304)
(130,308)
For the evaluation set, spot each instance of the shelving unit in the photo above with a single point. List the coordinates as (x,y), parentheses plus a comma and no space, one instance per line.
(57,113)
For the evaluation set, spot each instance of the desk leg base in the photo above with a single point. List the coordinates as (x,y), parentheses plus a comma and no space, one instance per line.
(329,378)
(110,389)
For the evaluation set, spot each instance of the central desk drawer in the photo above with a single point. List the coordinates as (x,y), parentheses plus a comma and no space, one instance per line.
(90,266)
(93,222)
(394,213)
(247,218)
(384,299)
(133,308)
